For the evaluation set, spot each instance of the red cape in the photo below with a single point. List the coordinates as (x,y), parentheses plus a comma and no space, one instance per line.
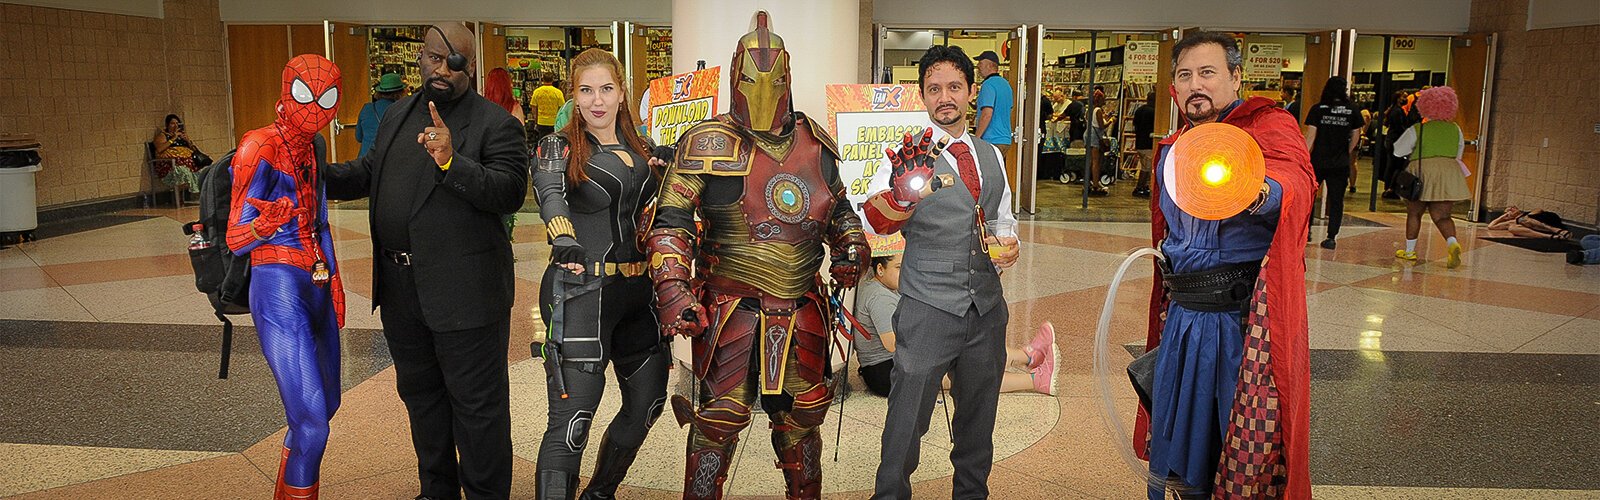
(1289,164)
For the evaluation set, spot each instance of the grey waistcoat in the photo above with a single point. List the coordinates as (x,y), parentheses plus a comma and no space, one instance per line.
(945,263)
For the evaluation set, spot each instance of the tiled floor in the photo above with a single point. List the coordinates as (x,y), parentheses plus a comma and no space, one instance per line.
(1477,382)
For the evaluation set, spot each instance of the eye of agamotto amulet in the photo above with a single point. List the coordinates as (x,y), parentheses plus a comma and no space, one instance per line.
(1214,171)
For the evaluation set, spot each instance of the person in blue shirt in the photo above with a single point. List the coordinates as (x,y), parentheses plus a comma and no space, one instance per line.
(994,102)
(390,89)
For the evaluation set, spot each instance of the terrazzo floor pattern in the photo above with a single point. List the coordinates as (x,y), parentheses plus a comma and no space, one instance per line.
(1388,336)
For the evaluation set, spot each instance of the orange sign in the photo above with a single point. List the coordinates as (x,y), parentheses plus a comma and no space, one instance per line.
(679,101)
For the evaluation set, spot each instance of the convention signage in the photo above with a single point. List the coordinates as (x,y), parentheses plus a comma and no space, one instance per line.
(1140,61)
(866,119)
(1263,61)
(679,101)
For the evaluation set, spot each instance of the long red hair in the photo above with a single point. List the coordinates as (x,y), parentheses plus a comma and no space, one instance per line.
(497,89)
(577,130)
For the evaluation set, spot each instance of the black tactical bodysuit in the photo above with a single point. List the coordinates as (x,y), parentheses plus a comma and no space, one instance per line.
(605,313)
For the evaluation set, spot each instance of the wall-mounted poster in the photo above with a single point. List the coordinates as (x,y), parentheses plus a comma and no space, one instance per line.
(1263,61)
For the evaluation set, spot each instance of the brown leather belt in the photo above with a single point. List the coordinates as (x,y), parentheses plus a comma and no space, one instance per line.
(770,304)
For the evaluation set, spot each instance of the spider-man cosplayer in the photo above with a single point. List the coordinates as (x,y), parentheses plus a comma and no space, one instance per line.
(765,182)
(296,297)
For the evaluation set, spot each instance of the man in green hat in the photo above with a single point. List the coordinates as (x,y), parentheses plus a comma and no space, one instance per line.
(390,89)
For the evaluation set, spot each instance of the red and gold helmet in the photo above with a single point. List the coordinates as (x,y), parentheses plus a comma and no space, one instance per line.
(760,81)
(310,96)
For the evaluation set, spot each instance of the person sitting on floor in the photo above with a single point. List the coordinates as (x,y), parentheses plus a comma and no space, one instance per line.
(876,300)
(1534,224)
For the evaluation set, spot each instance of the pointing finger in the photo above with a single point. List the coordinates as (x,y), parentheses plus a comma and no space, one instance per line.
(434,110)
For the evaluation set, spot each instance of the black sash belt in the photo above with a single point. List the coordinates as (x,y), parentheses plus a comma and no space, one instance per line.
(1225,289)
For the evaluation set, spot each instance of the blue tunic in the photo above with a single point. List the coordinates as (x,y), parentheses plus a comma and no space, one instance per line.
(1197,369)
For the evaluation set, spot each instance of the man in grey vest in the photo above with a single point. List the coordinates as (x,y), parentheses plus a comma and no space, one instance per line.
(952,314)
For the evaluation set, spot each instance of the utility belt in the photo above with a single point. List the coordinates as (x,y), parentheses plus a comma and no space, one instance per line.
(624,269)
(1225,289)
(612,269)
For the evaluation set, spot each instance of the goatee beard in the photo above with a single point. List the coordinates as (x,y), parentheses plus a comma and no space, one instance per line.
(1206,116)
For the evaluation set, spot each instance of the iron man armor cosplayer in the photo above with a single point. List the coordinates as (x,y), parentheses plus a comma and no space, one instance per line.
(296,296)
(763,178)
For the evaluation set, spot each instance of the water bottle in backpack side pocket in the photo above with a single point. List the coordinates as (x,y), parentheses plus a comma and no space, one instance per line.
(197,240)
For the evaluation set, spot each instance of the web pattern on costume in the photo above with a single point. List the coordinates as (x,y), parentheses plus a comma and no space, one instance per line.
(320,76)
(299,333)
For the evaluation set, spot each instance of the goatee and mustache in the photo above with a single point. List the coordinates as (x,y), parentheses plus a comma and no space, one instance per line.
(1204,114)
(439,94)
(939,116)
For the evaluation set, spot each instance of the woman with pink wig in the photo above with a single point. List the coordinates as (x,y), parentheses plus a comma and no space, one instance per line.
(1434,148)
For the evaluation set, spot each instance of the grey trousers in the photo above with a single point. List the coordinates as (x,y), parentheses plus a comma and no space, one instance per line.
(929,343)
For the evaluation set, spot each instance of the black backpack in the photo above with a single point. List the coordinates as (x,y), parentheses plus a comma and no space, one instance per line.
(218,273)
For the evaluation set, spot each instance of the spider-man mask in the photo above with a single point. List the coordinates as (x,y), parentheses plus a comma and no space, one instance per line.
(310,93)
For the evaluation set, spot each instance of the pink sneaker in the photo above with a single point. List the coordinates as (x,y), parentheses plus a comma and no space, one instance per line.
(1042,347)
(1044,375)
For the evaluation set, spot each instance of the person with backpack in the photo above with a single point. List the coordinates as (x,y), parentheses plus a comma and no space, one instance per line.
(278,218)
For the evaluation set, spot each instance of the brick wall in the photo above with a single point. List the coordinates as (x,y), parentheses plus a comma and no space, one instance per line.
(94,87)
(1546,88)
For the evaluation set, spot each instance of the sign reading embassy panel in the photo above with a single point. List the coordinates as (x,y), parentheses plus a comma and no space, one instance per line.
(866,119)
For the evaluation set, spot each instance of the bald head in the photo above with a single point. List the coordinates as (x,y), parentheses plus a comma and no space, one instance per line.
(443,84)
(460,38)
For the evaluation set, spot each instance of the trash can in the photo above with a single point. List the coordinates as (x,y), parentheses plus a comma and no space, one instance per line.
(19,203)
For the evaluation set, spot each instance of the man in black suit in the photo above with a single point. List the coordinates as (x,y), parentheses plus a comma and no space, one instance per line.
(446,166)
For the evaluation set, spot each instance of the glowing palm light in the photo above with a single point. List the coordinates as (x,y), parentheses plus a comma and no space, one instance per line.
(918,182)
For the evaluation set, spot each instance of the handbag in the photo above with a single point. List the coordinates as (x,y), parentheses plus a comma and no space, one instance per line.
(201,160)
(1404,183)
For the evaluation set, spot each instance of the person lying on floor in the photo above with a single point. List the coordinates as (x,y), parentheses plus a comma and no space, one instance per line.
(876,300)
(1534,224)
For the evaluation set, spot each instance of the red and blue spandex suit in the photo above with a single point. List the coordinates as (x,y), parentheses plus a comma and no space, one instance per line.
(296,297)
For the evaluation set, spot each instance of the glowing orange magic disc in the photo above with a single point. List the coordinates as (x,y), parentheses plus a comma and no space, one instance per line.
(1214,171)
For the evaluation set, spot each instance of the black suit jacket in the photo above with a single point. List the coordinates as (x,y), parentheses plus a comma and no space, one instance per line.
(461,257)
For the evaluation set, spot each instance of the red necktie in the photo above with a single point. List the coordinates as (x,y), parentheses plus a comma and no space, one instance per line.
(966,167)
